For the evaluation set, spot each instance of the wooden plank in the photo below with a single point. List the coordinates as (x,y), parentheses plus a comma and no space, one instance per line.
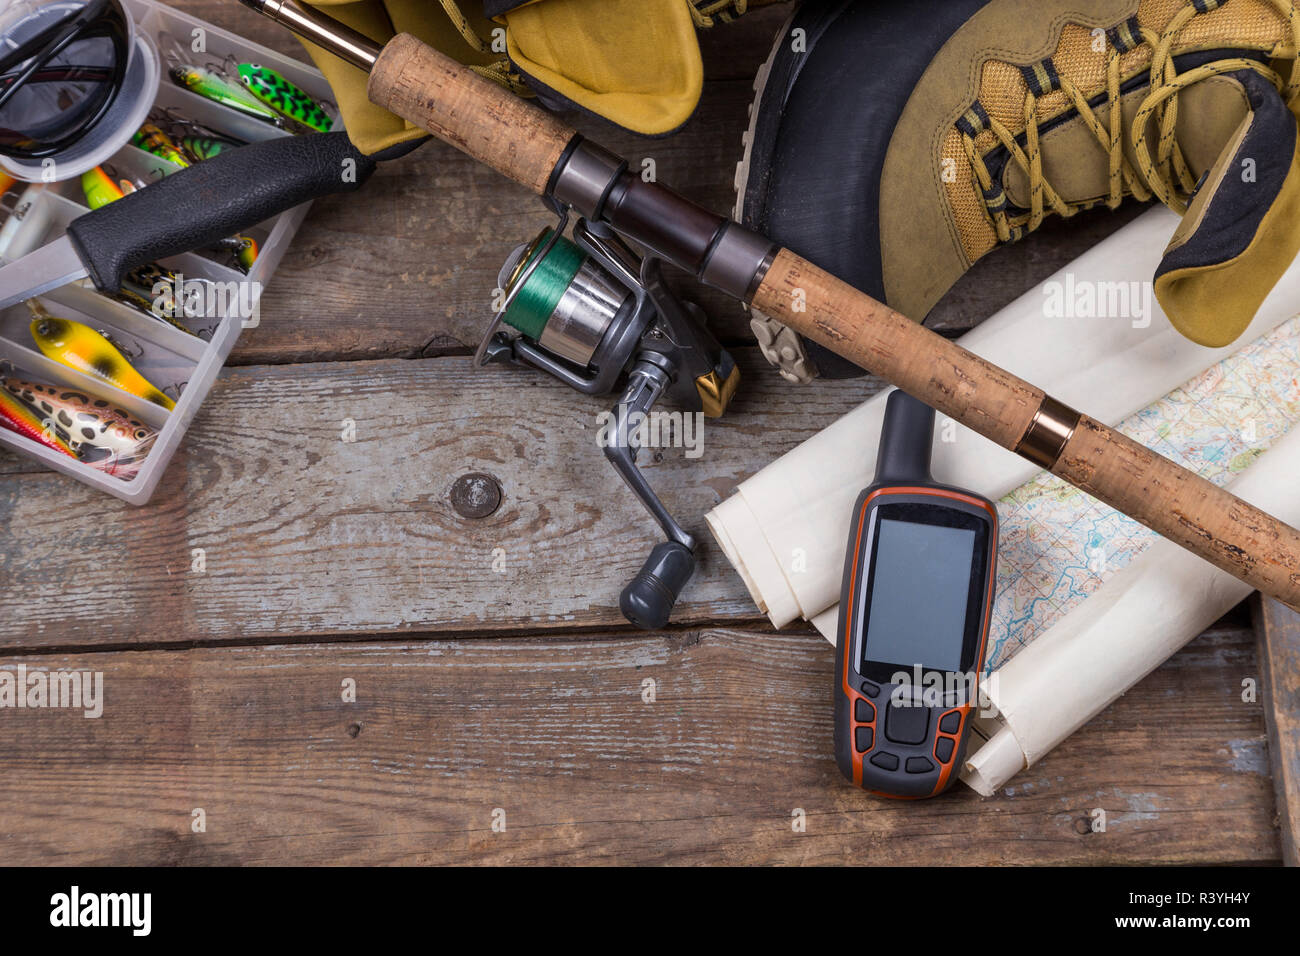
(303,533)
(1277,630)
(556,733)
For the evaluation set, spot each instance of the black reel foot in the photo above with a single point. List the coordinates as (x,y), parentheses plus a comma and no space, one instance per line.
(648,599)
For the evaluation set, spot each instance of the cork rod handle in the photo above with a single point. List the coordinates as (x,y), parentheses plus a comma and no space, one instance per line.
(1185,508)
(468,111)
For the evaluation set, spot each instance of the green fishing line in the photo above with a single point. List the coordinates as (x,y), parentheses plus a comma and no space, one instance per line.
(540,295)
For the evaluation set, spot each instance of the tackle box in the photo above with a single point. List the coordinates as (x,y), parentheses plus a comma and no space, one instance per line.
(183,366)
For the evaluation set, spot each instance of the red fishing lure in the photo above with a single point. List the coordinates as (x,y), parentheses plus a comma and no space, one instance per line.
(17,417)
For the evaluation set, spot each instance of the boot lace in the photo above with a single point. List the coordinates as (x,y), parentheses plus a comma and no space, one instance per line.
(501,71)
(708,13)
(1162,172)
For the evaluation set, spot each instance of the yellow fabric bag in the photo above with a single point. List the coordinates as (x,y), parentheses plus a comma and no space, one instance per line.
(633,62)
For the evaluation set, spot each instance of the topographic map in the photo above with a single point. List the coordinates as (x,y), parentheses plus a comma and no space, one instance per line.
(1058,544)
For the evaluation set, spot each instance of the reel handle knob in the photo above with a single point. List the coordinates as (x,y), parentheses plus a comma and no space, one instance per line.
(648,599)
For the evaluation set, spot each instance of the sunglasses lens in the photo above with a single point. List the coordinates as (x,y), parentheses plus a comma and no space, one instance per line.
(64,94)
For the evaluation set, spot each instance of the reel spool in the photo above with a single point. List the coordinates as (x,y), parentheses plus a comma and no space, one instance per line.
(592,313)
(570,307)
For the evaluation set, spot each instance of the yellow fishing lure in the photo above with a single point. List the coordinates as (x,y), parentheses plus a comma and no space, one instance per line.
(99,188)
(82,348)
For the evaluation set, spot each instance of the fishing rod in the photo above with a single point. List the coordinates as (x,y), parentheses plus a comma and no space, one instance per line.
(577,176)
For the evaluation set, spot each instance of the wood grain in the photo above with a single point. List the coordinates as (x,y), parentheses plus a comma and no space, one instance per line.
(306,534)
(310,539)
(1277,630)
(556,734)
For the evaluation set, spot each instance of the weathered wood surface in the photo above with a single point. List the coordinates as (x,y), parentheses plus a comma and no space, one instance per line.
(556,733)
(328,559)
(1277,628)
(304,533)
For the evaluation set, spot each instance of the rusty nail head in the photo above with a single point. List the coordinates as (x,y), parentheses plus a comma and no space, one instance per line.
(475,495)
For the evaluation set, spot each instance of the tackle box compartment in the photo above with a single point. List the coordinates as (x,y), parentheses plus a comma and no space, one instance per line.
(183,366)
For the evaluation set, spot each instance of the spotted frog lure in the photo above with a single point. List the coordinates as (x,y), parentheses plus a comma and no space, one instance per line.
(212,85)
(284,97)
(18,418)
(82,348)
(96,431)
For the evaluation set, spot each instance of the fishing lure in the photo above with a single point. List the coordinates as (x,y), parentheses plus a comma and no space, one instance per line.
(17,417)
(161,294)
(243,250)
(157,143)
(82,348)
(212,85)
(97,432)
(99,188)
(284,97)
(247,255)
(199,148)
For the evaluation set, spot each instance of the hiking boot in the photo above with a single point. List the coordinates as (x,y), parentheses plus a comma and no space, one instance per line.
(894,144)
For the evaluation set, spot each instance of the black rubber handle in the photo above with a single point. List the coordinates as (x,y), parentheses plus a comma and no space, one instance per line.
(213,200)
(905,441)
(648,599)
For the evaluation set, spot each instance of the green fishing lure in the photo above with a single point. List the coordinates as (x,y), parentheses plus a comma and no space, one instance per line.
(211,85)
(199,148)
(284,97)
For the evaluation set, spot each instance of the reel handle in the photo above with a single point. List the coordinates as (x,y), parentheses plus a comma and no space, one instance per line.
(649,597)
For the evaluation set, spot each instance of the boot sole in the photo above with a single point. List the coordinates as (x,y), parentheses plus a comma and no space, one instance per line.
(782,348)
(741,180)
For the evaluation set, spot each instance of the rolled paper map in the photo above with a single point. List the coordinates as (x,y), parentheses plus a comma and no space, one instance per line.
(1092,335)
(1118,635)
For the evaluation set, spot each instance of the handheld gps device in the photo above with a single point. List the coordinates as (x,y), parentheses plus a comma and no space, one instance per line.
(914,616)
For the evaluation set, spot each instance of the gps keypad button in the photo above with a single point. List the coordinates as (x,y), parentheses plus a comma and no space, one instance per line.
(907,725)
(885,760)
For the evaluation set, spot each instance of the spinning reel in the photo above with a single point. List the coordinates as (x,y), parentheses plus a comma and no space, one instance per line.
(593,313)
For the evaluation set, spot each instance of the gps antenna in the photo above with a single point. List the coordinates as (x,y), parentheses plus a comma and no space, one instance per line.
(905,440)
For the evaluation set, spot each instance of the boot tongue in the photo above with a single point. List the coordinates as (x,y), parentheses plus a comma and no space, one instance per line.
(1242,228)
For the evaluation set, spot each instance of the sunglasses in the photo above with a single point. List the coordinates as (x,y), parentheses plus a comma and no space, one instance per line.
(57,84)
